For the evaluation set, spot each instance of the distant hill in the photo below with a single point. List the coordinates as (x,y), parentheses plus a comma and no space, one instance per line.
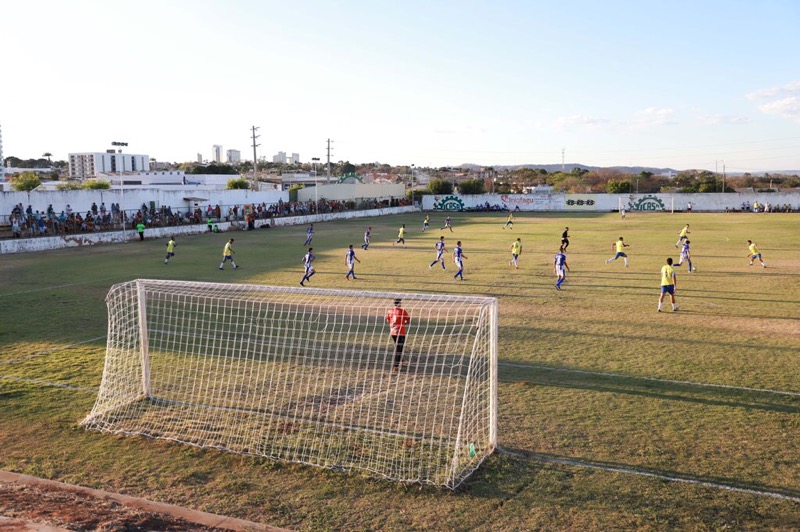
(624,169)
(569,166)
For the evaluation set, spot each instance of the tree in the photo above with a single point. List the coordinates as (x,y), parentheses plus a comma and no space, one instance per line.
(238,184)
(346,168)
(96,184)
(471,186)
(440,186)
(48,155)
(69,185)
(214,168)
(618,187)
(25,181)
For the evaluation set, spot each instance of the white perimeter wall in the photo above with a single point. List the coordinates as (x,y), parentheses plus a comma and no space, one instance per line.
(609,202)
(21,245)
(131,199)
(349,191)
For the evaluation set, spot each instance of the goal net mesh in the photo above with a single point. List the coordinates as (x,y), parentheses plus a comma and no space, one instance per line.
(304,375)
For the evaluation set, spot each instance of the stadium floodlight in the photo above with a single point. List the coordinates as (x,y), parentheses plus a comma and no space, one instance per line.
(305,376)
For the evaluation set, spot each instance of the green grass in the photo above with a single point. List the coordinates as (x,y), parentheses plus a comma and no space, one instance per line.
(591,374)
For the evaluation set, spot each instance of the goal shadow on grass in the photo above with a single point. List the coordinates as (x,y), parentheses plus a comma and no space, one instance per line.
(668,391)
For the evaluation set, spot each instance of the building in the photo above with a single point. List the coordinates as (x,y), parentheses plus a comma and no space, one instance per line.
(95,164)
(199,158)
(281,158)
(217,153)
(234,156)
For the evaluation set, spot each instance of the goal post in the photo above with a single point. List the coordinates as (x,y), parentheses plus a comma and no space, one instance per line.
(305,375)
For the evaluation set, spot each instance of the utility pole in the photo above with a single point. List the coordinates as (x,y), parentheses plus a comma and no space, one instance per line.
(723,176)
(328,179)
(255,158)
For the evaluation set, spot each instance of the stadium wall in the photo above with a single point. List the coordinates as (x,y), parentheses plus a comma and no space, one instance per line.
(131,199)
(47,243)
(349,191)
(657,202)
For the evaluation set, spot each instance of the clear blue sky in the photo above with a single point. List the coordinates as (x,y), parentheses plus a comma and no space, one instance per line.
(682,84)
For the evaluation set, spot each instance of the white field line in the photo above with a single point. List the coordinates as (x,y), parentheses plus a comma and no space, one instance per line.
(57,287)
(631,471)
(40,382)
(43,353)
(652,379)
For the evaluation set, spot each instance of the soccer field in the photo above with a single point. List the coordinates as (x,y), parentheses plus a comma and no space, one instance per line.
(611,415)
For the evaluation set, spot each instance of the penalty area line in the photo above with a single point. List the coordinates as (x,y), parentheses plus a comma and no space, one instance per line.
(43,353)
(57,287)
(40,382)
(641,473)
(651,379)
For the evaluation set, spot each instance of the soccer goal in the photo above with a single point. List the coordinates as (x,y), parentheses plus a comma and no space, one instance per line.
(305,375)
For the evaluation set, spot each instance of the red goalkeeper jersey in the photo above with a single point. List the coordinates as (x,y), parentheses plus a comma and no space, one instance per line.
(398,318)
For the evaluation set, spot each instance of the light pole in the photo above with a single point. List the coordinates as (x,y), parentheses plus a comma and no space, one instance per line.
(121,182)
(314,161)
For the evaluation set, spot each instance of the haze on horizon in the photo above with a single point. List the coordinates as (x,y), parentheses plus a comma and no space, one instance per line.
(688,84)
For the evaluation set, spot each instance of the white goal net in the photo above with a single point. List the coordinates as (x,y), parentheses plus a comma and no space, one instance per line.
(306,375)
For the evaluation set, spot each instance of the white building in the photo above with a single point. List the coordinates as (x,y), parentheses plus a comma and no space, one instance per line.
(234,156)
(281,158)
(199,158)
(95,164)
(217,153)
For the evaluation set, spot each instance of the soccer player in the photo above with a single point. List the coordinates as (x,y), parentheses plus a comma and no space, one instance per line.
(448,224)
(170,249)
(458,258)
(560,267)
(308,263)
(140,229)
(227,255)
(367,236)
(685,255)
(754,254)
(619,246)
(309,234)
(401,236)
(516,251)
(565,238)
(397,318)
(509,221)
(682,235)
(426,223)
(622,211)
(350,260)
(669,284)
(440,249)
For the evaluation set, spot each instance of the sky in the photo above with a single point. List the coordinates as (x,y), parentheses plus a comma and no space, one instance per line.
(683,84)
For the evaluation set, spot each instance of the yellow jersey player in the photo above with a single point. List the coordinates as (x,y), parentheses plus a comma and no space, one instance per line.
(619,246)
(516,251)
(170,249)
(753,253)
(669,285)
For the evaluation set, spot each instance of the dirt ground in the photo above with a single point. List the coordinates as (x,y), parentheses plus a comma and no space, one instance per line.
(76,511)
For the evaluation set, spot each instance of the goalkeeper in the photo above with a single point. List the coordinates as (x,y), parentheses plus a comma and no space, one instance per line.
(398,318)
